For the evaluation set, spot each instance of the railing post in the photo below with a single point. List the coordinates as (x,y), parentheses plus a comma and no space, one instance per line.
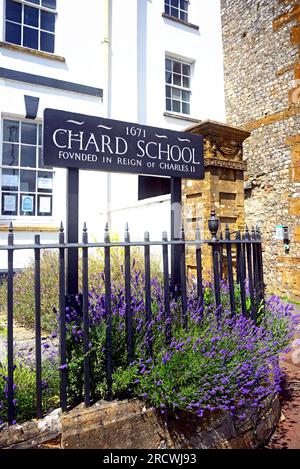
(199,268)
(250,274)
(85,287)
(10,325)
(149,336)
(38,352)
(183,278)
(129,326)
(62,321)
(213,226)
(108,346)
(166,286)
(230,270)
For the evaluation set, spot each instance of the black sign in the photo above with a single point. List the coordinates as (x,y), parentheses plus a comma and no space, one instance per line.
(88,142)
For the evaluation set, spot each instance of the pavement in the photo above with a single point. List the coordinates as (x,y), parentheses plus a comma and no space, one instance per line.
(287,435)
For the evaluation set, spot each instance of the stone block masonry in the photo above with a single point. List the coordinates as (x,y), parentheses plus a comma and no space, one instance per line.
(261,42)
(132,425)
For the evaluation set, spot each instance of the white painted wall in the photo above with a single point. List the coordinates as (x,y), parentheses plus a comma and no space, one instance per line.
(140,39)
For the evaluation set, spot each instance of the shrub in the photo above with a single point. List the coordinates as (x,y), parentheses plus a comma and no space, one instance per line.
(24,305)
(24,390)
(219,361)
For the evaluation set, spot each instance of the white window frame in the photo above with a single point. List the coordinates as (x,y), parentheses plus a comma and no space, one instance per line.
(29,218)
(40,7)
(180,88)
(179,10)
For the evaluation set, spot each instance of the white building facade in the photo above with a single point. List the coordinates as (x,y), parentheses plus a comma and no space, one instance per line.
(155,62)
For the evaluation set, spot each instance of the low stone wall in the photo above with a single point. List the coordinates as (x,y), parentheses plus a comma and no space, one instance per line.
(131,425)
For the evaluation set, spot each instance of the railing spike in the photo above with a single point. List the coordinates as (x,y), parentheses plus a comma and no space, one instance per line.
(127,235)
(10,227)
(61,227)
(164,236)
(147,237)
(84,227)
(106,233)
(197,233)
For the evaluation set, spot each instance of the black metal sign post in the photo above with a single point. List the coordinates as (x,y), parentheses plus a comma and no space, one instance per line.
(176,221)
(78,141)
(72,230)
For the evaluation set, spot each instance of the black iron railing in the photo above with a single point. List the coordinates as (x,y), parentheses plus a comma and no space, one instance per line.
(237,260)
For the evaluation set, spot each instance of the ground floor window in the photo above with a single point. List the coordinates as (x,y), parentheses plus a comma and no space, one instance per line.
(26,186)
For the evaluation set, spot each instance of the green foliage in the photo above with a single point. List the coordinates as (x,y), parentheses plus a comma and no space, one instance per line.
(24,305)
(24,394)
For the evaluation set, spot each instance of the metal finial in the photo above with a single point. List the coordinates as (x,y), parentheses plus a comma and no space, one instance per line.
(164,236)
(106,233)
(61,227)
(182,233)
(127,235)
(10,227)
(146,237)
(197,233)
(84,227)
(213,225)
(227,232)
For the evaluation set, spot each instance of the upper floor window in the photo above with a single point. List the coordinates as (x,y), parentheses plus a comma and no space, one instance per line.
(31,23)
(26,186)
(178,86)
(177,8)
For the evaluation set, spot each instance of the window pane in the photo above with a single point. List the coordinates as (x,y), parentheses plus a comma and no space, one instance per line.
(168,64)
(10,179)
(45,181)
(168,91)
(167,9)
(28,156)
(12,33)
(174,12)
(177,79)
(49,4)
(183,15)
(45,205)
(176,106)
(186,82)
(9,203)
(27,182)
(168,77)
(185,108)
(13,11)
(47,42)
(186,96)
(10,154)
(28,133)
(47,21)
(30,38)
(31,16)
(176,67)
(174,3)
(10,131)
(186,69)
(168,105)
(184,5)
(27,204)
(176,93)
(37,2)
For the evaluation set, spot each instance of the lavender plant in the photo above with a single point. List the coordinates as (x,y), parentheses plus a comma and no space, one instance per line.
(218,362)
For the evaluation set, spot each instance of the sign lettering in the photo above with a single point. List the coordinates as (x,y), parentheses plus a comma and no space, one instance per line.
(88,142)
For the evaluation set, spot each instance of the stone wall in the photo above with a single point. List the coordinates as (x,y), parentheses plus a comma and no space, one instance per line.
(262,71)
(132,425)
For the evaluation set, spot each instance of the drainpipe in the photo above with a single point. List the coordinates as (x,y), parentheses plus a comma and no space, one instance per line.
(107,85)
